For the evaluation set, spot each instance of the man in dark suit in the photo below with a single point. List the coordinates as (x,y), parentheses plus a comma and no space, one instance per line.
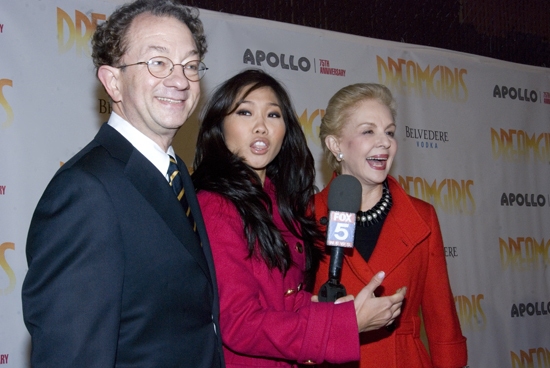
(118,277)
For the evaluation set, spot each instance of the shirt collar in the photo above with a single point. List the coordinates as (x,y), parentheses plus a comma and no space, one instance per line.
(145,145)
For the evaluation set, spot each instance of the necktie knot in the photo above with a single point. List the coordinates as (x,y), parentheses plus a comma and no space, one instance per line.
(174,178)
(176,182)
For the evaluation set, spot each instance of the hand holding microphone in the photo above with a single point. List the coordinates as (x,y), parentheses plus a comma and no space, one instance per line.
(374,312)
(344,200)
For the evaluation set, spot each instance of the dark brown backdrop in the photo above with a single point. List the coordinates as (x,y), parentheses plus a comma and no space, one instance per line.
(511,30)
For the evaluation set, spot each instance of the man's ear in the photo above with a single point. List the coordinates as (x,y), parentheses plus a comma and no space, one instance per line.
(110,78)
(333,145)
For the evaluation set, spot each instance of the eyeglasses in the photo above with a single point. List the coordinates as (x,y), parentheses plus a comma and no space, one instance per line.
(161,67)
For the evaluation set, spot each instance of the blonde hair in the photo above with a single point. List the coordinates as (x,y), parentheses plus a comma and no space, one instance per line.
(340,107)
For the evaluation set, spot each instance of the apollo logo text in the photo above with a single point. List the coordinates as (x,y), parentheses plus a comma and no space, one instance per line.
(515,93)
(289,62)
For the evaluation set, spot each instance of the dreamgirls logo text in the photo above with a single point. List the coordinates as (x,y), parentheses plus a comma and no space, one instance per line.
(4,105)
(76,33)
(5,267)
(411,78)
(310,122)
(524,253)
(470,312)
(448,195)
(531,358)
(514,145)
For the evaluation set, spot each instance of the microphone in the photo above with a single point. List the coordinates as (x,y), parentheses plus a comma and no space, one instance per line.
(344,200)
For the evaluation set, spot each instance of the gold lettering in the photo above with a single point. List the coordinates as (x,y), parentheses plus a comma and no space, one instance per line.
(4,103)
(6,267)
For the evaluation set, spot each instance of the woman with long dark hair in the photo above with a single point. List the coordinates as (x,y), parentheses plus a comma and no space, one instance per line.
(255,180)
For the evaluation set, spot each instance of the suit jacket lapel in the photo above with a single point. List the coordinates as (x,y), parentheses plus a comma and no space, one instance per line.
(154,188)
(193,202)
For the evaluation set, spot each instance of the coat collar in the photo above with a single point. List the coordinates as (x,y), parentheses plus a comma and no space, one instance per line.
(403,229)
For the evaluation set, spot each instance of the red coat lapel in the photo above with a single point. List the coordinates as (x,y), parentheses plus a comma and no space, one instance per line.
(399,238)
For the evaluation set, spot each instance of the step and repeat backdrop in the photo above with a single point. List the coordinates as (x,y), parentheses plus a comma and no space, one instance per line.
(473,133)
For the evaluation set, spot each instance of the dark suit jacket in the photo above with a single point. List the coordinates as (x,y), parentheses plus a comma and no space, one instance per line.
(117,278)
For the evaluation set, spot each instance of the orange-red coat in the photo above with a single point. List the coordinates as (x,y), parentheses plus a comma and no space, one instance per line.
(410,251)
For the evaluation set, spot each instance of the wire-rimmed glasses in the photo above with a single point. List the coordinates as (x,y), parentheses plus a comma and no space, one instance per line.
(161,67)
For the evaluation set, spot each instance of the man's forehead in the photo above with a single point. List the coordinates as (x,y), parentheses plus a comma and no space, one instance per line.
(157,33)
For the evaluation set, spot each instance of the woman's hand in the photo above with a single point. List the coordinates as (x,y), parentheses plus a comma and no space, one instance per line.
(375,312)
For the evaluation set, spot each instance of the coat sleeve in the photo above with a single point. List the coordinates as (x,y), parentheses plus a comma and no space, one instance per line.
(447,345)
(72,292)
(254,320)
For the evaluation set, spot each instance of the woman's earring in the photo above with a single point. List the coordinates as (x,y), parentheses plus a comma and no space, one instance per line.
(340,156)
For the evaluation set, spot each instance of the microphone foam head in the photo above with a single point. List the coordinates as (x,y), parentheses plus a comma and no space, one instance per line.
(344,194)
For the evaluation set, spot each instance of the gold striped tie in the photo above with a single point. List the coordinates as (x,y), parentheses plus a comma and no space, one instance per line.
(176,183)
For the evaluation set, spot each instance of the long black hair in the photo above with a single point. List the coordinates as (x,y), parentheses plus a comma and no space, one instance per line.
(292,172)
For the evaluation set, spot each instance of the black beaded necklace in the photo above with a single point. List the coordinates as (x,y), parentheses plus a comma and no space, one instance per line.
(379,211)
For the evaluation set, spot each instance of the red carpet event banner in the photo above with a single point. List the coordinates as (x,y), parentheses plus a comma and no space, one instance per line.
(473,134)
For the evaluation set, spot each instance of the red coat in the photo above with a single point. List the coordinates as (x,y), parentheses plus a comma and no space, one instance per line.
(410,251)
(266,320)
